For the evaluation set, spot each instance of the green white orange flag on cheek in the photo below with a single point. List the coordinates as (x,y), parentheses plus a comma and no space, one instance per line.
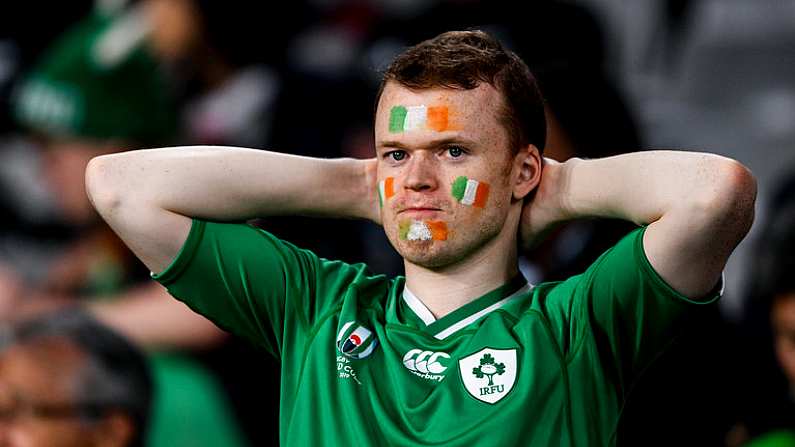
(470,192)
(386,189)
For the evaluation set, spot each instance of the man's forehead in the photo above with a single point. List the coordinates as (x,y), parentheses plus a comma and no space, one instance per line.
(395,93)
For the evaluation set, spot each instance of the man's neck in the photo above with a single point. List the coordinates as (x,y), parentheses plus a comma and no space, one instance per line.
(445,290)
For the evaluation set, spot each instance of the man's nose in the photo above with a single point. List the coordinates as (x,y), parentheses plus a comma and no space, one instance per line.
(422,173)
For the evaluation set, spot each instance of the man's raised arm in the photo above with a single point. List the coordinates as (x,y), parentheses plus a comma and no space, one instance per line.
(698,207)
(149,196)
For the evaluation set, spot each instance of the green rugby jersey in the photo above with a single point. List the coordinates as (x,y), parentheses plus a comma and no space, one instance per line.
(364,362)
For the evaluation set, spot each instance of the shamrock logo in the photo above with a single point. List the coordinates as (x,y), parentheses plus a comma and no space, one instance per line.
(488,368)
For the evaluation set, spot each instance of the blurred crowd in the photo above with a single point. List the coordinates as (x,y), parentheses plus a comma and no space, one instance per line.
(93,352)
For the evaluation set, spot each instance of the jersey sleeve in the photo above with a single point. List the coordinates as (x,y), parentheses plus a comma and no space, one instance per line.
(253,284)
(621,310)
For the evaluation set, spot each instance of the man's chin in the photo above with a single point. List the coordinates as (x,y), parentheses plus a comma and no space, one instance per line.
(428,254)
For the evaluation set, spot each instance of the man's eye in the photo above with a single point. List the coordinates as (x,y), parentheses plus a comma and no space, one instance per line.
(397,155)
(455,151)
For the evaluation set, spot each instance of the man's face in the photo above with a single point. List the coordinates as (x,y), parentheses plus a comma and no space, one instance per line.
(783,319)
(444,171)
(37,384)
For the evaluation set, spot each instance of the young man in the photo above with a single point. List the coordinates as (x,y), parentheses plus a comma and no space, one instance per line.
(462,351)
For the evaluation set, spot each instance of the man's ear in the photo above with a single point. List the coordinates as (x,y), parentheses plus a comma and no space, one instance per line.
(526,171)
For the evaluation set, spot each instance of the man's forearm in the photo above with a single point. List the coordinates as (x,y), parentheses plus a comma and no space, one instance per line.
(148,197)
(644,186)
(224,183)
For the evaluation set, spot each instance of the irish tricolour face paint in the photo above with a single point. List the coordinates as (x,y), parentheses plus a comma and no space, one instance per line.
(404,119)
(417,230)
(386,189)
(470,192)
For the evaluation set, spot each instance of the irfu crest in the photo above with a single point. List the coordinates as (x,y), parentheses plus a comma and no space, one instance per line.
(489,374)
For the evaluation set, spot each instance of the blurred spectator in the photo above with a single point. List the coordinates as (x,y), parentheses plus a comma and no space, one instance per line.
(98,90)
(782,317)
(21,42)
(95,91)
(66,380)
(224,57)
(767,408)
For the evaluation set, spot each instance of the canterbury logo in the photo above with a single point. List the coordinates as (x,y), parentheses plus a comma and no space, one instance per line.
(426,364)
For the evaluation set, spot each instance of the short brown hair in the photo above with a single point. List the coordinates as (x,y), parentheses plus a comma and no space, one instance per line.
(464,60)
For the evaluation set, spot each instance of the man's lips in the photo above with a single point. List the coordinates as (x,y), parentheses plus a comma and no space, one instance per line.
(420,210)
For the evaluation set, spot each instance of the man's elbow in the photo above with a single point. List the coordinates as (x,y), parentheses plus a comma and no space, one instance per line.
(732,198)
(101,189)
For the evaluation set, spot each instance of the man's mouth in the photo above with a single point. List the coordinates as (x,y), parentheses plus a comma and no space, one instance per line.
(420,212)
(419,209)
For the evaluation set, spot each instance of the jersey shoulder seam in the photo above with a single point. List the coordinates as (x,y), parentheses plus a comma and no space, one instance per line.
(564,366)
(310,338)
(582,330)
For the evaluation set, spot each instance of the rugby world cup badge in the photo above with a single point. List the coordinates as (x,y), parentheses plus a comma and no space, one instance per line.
(356,341)
(489,374)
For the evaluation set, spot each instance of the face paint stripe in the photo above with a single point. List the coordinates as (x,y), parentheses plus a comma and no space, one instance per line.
(403,230)
(397,118)
(437,118)
(389,187)
(381,193)
(418,231)
(459,187)
(415,118)
(438,230)
(481,195)
(469,194)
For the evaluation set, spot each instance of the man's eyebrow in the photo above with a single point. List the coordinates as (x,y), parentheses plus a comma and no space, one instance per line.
(390,143)
(433,143)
